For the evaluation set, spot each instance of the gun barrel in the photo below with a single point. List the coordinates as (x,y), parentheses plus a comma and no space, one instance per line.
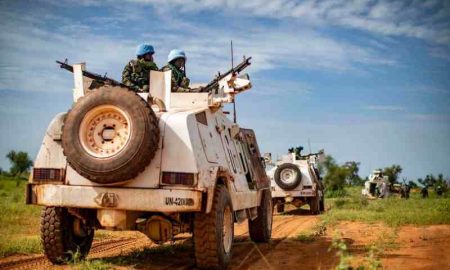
(241,66)
(91,75)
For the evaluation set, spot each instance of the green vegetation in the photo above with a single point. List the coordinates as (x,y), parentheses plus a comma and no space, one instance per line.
(435,182)
(19,223)
(392,173)
(335,175)
(20,161)
(370,262)
(78,263)
(393,211)
(311,235)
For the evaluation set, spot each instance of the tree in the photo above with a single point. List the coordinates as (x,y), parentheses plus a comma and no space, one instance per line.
(392,173)
(353,169)
(441,182)
(20,162)
(429,180)
(412,184)
(335,175)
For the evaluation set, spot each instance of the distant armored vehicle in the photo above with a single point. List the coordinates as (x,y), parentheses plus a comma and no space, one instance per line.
(163,164)
(377,186)
(296,180)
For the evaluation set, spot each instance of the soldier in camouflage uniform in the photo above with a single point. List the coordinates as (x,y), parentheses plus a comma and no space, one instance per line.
(136,73)
(176,63)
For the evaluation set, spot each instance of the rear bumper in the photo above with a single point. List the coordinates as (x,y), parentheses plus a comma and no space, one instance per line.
(279,193)
(132,199)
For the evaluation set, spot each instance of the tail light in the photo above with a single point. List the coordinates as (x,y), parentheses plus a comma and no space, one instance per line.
(174,178)
(48,175)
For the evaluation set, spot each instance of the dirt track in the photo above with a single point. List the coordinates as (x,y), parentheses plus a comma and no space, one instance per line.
(416,248)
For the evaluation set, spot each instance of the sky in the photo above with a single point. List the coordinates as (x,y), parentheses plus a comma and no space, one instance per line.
(367,81)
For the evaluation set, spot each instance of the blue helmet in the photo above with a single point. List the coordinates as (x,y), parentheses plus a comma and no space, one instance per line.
(144,49)
(174,54)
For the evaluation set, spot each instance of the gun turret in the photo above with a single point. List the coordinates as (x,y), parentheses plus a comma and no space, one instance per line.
(234,71)
(98,80)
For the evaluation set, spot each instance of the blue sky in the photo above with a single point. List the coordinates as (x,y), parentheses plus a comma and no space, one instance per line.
(366,80)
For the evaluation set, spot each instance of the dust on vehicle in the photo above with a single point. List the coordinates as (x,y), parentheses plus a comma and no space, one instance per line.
(161,163)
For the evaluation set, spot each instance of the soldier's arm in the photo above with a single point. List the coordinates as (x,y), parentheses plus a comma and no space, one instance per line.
(175,87)
(127,77)
(185,82)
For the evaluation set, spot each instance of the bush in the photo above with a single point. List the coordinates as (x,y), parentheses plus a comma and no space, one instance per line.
(335,193)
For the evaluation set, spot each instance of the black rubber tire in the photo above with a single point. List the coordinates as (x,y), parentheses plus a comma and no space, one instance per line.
(322,204)
(139,151)
(58,239)
(314,205)
(280,207)
(284,185)
(208,229)
(260,229)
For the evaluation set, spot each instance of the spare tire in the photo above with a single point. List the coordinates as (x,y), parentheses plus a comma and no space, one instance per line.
(288,176)
(110,135)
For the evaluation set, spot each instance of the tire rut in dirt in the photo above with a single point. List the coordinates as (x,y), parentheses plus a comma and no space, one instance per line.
(99,249)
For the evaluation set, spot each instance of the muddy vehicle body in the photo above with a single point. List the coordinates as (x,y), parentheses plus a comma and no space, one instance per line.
(296,180)
(163,165)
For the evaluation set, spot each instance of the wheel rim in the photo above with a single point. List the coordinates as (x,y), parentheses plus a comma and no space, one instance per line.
(288,176)
(227,232)
(105,131)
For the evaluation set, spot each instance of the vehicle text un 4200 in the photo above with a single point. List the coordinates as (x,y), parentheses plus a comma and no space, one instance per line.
(163,164)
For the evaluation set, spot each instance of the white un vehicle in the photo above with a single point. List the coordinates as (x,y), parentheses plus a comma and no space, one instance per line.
(296,180)
(169,164)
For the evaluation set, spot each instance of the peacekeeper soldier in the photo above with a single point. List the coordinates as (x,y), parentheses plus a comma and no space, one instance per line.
(424,192)
(136,73)
(177,64)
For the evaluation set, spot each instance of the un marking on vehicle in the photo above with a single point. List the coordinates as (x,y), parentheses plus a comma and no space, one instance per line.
(179,201)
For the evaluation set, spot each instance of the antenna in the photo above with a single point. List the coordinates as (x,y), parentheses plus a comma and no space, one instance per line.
(232,55)
(309,145)
(232,66)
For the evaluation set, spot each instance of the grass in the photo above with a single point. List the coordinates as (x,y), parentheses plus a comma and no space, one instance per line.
(371,261)
(19,223)
(311,235)
(77,263)
(393,211)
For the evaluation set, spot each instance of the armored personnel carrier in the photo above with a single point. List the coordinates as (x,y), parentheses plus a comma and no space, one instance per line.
(296,180)
(161,163)
(377,186)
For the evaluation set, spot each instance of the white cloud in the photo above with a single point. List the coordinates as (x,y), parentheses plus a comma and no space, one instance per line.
(418,19)
(30,50)
(429,117)
(389,108)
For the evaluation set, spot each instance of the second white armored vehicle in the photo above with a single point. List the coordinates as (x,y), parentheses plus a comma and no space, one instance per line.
(377,186)
(296,180)
(163,164)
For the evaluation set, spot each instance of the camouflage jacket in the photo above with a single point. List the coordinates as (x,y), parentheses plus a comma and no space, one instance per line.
(180,83)
(136,74)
